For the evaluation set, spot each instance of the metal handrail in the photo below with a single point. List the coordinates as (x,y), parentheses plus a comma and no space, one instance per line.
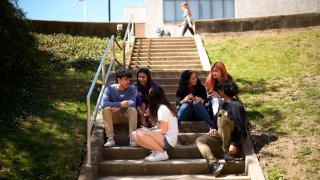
(105,75)
(126,40)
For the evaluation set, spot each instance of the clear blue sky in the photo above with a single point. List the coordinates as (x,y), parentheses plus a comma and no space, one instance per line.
(73,10)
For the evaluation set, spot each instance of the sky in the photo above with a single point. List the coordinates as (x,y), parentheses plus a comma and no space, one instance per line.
(73,10)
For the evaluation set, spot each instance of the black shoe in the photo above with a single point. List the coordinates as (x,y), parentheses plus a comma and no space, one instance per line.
(216,168)
(228,157)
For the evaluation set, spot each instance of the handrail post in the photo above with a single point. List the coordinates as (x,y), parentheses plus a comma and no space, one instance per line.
(88,133)
(124,54)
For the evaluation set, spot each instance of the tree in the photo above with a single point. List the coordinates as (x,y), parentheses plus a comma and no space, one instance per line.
(18,52)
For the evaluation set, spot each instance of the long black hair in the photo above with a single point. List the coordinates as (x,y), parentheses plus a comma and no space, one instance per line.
(149,79)
(156,98)
(183,89)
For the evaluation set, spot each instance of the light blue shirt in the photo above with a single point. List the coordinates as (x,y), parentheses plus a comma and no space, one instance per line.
(112,97)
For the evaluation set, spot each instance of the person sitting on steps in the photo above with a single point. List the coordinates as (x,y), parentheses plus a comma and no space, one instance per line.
(143,85)
(191,97)
(224,141)
(164,136)
(118,103)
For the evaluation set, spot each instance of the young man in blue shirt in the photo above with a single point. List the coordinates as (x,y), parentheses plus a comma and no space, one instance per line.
(118,103)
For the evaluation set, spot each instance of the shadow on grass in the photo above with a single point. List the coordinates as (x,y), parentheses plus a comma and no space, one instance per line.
(268,118)
(41,134)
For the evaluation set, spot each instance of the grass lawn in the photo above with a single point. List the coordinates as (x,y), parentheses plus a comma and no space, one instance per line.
(280,81)
(43,120)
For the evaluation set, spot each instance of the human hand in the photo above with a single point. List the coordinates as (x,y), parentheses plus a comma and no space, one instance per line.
(212,132)
(114,109)
(232,149)
(215,94)
(197,99)
(146,113)
(125,103)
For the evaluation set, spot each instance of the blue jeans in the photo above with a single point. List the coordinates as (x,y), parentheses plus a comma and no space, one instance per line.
(190,110)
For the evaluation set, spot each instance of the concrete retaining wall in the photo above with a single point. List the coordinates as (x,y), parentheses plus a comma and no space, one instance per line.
(260,23)
(100,29)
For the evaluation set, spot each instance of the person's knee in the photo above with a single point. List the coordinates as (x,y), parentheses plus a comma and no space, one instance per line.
(132,111)
(201,140)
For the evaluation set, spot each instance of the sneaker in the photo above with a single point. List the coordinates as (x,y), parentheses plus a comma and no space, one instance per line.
(110,142)
(159,156)
(151,155)
(132,143)
(227,157)
(216,168)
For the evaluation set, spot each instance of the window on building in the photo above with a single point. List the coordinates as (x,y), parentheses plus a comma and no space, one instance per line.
(201,9)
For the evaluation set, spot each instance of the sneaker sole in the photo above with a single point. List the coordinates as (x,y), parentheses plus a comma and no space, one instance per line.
(218,172)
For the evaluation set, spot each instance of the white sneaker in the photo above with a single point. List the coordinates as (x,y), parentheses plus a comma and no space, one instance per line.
(110,142)
(132,143)
(159,156)
(151,155)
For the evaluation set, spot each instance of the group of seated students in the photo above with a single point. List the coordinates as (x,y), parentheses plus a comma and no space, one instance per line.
(146,101)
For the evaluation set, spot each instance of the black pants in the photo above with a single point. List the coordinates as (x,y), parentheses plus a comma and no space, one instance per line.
(186,27)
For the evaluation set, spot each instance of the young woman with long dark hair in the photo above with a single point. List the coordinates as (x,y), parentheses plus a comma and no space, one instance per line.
(164,136)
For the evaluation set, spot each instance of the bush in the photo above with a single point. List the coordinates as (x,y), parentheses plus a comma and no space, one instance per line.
(18,53)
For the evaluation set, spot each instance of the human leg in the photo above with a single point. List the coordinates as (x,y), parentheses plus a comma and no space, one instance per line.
(185,27)
(148,139)
(225,128)
(132,119)
(184,113)
(141,115)
(210,148)
(110,118)
(202,113)
(191,30)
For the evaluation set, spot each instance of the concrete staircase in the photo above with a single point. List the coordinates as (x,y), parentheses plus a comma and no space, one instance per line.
(166,58)
(165,54)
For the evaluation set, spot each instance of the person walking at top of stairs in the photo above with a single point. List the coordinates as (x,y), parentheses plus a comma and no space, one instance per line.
(118,103)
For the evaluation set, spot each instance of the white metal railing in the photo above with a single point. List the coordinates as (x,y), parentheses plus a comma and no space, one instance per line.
(105,75)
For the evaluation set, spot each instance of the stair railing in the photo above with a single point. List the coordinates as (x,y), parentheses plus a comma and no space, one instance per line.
(126,40)
(105,75)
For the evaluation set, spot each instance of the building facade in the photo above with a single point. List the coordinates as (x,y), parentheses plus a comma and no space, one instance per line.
(167,14)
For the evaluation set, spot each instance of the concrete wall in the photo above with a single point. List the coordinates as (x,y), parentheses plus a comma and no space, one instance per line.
(259,8)
(243,8)
(77,28)
(259,23)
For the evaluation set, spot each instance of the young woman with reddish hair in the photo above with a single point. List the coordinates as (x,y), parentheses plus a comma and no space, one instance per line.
(218,73)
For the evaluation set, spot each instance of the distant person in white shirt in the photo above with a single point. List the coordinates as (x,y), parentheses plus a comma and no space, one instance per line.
(164,136)
(186,23)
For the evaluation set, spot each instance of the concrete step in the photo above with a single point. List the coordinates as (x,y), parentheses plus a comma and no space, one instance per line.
(151,50)
(164,39)
(164,54)
(164,46)
(178,177)
(168,66)
(168,167)
(127,152)
(168,58)
(177,62)
(172,43)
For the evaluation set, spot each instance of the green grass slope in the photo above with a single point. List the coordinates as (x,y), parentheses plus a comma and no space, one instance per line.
(280,81)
